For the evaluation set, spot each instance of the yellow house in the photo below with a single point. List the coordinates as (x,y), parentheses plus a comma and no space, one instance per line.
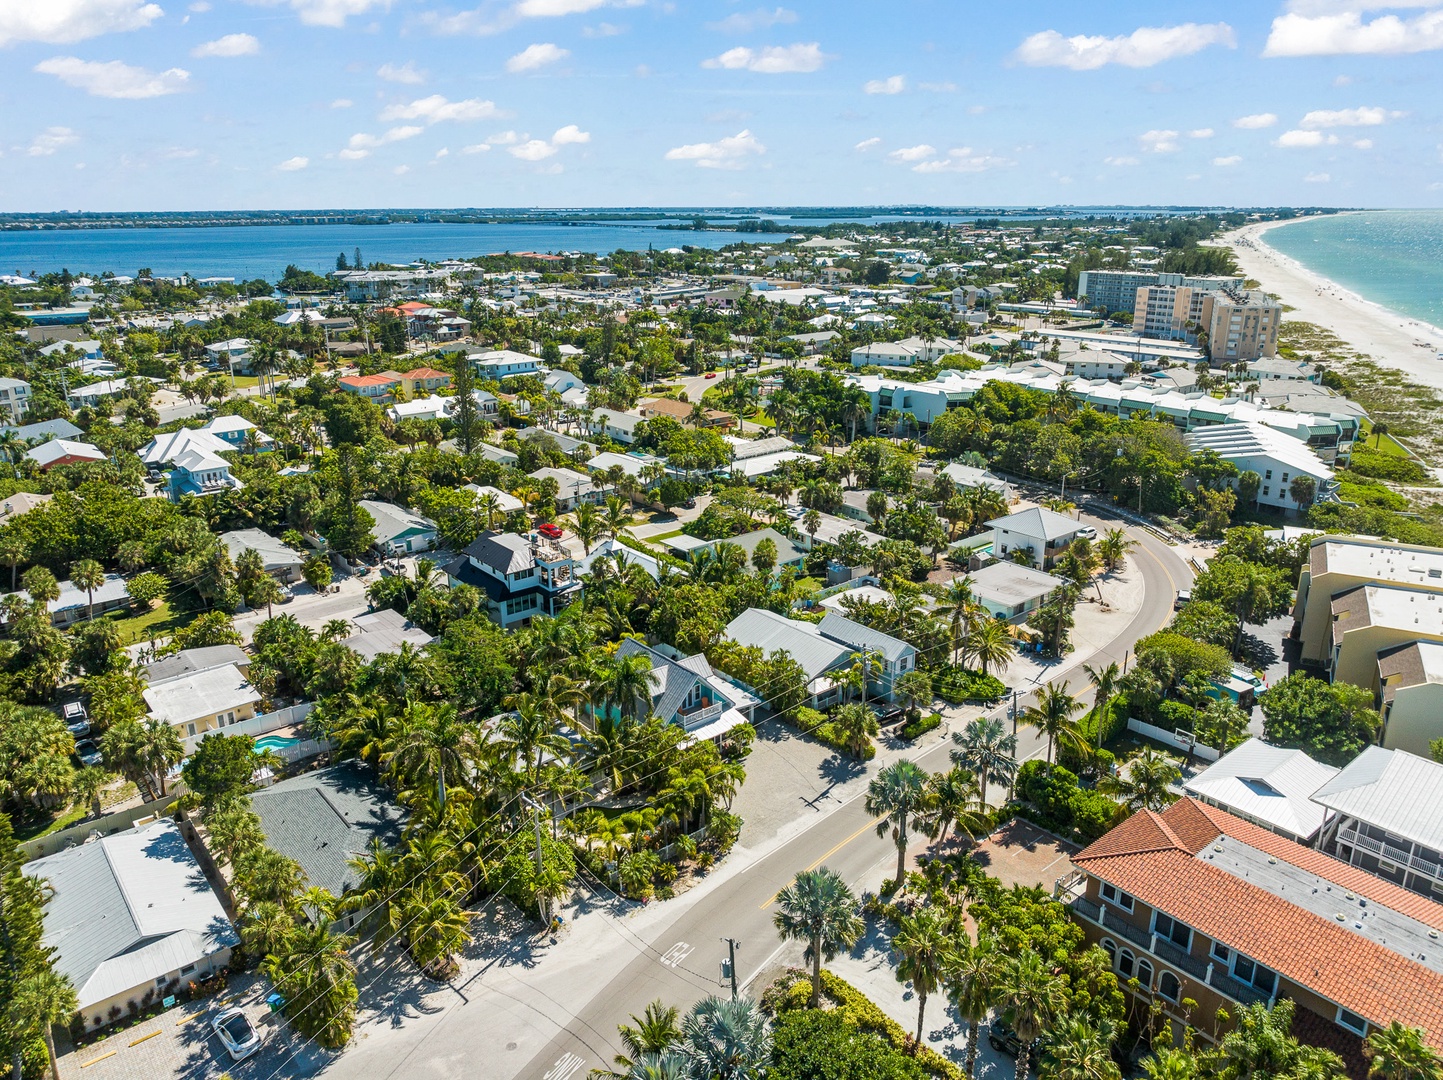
(201,701)
(423,380)
(1373,618)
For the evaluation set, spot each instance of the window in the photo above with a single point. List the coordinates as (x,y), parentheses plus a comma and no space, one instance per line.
(1114,895)
(1352,1021)
(1126,964)
(187,969)
(1110,947)
(1221,952)
(1144,973)
(1168,986)
(1172,930)
(1261,978)
(1268,475)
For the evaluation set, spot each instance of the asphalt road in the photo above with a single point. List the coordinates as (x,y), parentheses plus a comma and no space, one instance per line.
(560,1023)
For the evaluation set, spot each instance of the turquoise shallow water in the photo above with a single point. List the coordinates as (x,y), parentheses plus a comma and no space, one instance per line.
(1391,257)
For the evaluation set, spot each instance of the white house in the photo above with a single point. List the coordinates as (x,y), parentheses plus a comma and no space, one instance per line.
(904,353)
(1277,458)
(200,472)
(231,353)
(1043,534)
(615,425)
(398,530)
(499,363)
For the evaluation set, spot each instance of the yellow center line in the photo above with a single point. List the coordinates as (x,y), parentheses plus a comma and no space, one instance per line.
(823,859)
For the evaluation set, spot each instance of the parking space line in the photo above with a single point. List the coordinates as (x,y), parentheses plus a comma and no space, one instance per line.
(93,1061)
(137,1042)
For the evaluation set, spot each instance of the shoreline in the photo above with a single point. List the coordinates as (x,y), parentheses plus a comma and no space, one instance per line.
(1379,333)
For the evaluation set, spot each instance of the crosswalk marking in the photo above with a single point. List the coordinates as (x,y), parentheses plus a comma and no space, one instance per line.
(676,954)
(564,1067)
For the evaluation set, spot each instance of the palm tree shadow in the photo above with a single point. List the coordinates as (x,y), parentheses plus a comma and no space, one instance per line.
(840,768)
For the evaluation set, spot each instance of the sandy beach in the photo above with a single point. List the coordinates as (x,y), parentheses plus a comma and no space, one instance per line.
(1391,339)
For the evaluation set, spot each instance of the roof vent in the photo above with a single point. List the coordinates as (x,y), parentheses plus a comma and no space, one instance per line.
(1272,861)
(1341,917)
(1350,896)
(1217,847)
(1433,934)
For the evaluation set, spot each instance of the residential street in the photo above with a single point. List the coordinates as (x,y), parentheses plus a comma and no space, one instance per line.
(548,1010)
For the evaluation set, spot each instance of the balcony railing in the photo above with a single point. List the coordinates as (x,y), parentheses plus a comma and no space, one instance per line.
(700,715)
(1391,852)
(1212,974)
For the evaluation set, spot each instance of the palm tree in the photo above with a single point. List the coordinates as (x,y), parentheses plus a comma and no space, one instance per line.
(626,684)
(897,795)
(1081,1049)
(1146,782)
(319,979)
(268,928)
(818,908)
(1398,1052)
(922,944)
(13,552)
(957,607)
(1030,997)
(972,986)
(952,801)
(914,689)
(990,643)
(986,748)
(727,1040)
(89,783)
(436,747)
(1113,548)
(656,1031)
(618,517)
(855,724)
(1052,715)
(1104,683)
(586,524)
(89,575)
(39,1002)
(664,1065)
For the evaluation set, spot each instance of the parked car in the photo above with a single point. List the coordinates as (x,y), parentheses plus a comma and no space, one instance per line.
(1088,531)
(76,720)
(239,1035)
(711,375)
(690,503)
(1005,1041)
(547,529)
(89,753)
(1183,598)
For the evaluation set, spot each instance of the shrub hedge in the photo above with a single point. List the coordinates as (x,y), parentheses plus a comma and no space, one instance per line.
(1063,805)
(957,685)
(914,729)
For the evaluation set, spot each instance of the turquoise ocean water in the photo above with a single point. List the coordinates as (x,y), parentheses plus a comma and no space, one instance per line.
(1391,257)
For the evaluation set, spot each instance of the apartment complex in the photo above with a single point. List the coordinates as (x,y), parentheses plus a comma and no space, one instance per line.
(1277,458)
(1194,903)
(1117,290)
(1241,325)
(1173,312)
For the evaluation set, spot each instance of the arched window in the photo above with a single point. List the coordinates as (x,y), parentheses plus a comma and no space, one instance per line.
(1144,974)
(1110,947)
(1126,964)
(1168,986)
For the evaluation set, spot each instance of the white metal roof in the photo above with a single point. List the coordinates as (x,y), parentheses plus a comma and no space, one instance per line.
(200,694)
(1392,789)
(1266,784)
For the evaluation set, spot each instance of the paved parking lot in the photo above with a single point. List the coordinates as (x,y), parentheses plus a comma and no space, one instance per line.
(180,1043)
(1020,853)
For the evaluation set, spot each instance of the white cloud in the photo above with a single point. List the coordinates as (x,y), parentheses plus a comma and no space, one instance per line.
(570,135)
(1256,120)
(230,45)
(547,9)
(1144,47)
(1201,133)
(893,84)
(180,153)
(1227,162)
(490,18)
(913,153)
(1366,116)
(401,73)
(476,148)
(868,144)
(1119,161)
(962,159)
(771,59)
(533,150)
(938,87)
(342,103)
(1316,178)
(327,12)
(976,110)
(361,143)
(541,149)
(1297,138)
(1339,33)
(62,22)
(601,30)
(445,151)
(294,164)
(505,138)
(1158,142)
(112,79)
(437,109)
(1362,144)
(731,152)
(50,140)
(536,56)
(401,170)
(199,6)
(744,22)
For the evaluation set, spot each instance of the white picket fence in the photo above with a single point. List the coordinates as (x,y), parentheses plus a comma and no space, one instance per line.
(1183,740)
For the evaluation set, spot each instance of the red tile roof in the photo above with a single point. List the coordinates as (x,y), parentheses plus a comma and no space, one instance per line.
(1306,949)
(426,373)
(368,380)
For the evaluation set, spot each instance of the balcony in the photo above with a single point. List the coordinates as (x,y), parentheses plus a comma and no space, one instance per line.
(1394,854)
(1165,951)
(702,714)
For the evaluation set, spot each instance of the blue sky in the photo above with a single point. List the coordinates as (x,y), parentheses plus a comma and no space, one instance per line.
(173,104)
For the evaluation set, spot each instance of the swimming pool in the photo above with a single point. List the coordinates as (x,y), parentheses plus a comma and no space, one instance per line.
(275,742)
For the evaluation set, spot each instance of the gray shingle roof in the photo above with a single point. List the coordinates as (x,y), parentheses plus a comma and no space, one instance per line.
(671,681)
(508,553)
(859,637)
(1037,522)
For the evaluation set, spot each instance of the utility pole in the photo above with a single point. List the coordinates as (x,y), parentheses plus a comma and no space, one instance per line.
(731,963)
(1014,713)
(542,902)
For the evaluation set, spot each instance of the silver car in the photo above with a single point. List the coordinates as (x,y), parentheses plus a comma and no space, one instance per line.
(239,1035)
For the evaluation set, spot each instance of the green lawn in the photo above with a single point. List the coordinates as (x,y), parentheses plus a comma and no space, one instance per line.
(160,621)
(40,823)
(1386,444)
